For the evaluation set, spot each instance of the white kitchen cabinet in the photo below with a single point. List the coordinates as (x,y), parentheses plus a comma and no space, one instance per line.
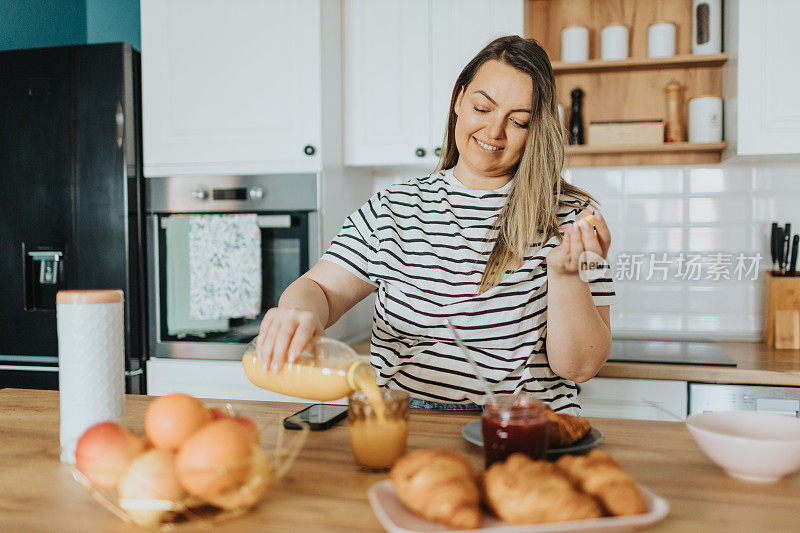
(230,86)
(640,399)
(761,115)
(399,77)
(386,79)
(460,28)
(208,379)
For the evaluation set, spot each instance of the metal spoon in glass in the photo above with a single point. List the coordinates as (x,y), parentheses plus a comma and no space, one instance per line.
(465,352)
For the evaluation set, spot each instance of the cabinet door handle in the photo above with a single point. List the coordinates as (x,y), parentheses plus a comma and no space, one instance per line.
(309,150)
(420,152)
(120,120)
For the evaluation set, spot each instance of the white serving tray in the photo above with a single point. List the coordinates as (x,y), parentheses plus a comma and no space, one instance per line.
(396,518)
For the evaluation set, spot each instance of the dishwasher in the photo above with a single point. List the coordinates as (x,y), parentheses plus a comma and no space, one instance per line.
(711,397)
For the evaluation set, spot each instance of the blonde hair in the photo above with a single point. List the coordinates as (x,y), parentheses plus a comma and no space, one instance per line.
(537,188)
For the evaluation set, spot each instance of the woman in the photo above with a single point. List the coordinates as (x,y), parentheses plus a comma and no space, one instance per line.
(488,241)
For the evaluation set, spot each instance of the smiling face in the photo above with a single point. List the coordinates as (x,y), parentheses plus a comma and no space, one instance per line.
(493,112)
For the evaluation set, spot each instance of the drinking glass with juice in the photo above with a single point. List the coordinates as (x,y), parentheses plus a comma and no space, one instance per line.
(513,424)
(378,427)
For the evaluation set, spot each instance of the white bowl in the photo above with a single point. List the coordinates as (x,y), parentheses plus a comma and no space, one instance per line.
(749,445)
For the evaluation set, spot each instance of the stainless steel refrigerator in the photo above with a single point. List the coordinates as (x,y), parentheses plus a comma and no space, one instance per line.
(70,199)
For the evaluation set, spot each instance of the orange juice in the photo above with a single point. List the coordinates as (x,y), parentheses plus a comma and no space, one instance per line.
(367,384)
(326,370)
(378,427)
(377,444)
(303,381)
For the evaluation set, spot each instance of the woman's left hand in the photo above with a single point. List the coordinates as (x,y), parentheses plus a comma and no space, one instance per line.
(565,259)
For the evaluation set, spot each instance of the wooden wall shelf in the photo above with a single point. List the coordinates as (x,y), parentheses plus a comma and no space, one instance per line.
(643,63)
(665,147)
(682,153)
(633,88)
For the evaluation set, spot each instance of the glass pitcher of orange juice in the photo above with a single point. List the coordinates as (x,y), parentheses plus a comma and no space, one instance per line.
(325,370)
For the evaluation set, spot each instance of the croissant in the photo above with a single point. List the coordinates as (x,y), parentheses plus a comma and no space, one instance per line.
(439,486)
(564,430)
(599,475)
(523,491)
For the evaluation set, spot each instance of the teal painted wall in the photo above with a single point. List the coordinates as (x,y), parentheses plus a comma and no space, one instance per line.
(38,23)
(110,21)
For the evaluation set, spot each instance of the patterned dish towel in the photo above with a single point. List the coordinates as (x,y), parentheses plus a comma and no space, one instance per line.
(179,323)
(225,266)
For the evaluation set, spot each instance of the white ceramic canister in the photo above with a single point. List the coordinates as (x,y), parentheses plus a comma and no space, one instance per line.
(705,119)
(707,26)
(614,42)
(575,44)
(91,362)
(661,40)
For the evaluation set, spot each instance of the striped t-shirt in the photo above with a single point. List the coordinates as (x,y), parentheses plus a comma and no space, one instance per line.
(424,245)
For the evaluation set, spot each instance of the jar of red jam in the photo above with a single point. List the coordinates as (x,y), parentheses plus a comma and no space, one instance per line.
(514,424)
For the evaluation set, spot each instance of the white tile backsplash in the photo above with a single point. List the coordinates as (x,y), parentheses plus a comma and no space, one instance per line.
(724,209)
(652,180)
(718,180)
(655,210)
(780,178)
(676,210)
(730,238)
(644,239)
(719,209)
(654,297)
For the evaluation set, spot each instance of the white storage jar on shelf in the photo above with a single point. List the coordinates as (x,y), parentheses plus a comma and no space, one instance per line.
(231,87)
(399,76)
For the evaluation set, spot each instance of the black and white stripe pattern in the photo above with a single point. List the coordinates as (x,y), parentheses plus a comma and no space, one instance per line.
(424,245)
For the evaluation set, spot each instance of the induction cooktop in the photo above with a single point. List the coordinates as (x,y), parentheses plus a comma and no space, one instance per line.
(669,352)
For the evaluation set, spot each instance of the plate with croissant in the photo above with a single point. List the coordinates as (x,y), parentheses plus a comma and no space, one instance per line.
(565,433)
(437,490)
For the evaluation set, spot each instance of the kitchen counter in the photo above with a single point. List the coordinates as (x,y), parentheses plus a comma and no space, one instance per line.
(324,491)
(756,364)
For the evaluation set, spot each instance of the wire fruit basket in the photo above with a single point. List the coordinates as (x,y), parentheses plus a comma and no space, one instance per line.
(151,495)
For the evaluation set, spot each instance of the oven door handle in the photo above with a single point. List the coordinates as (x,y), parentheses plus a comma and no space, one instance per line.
(27,368)
(274,221)
(263,221)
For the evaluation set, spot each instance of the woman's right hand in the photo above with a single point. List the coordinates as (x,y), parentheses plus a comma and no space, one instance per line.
(283,334)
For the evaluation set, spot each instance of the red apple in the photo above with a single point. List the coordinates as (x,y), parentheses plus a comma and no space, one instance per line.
(250,428)
(218,414)
(104,453)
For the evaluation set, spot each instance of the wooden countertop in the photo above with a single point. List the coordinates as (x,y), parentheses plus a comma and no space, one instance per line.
(756,364)
(324,491)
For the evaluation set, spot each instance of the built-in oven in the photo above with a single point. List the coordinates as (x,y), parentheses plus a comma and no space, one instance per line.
(285,208)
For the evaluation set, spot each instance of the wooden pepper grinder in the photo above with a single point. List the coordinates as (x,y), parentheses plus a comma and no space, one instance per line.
(674,130)
(576,118)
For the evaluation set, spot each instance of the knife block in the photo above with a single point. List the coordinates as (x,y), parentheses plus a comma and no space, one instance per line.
(782,316)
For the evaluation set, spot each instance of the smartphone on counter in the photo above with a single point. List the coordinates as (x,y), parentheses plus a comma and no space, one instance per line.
(318,416)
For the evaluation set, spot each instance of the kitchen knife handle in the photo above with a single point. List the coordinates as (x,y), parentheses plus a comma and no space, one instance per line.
(773,245)
(779,248)
(787,244)
(793,263)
